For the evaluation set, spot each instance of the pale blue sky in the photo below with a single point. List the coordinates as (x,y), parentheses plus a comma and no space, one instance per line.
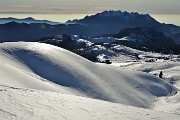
(90,6)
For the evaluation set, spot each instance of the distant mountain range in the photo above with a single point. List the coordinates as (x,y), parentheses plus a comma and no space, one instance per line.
(14,31)
(25,20)
(107,22)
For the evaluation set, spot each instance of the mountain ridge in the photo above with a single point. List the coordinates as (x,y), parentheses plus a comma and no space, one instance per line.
(120,20)
(27,20)
(96,25)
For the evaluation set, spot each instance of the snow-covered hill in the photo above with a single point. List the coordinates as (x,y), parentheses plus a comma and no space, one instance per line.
(34,77)
(30,63)
(170,69)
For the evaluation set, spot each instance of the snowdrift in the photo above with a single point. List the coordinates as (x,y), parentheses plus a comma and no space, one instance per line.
(41,66)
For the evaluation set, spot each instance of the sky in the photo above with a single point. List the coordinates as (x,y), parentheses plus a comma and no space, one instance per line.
(89,6)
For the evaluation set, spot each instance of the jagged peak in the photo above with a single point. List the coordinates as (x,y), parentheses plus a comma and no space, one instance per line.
(114,13)
(119,13)
(29,18)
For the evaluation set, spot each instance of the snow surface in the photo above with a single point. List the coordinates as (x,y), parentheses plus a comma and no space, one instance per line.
(103,40)
(170,69)
(23,104)
(40,81)
(82,76)
(128,38)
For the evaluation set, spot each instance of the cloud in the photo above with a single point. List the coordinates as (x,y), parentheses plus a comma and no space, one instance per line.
(93,6)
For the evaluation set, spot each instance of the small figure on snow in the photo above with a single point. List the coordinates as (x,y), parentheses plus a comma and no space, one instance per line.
(161,75)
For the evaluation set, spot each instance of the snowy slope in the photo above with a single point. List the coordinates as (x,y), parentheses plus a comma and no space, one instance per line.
(78,74)
(40,81)
(170,69)
(32,65)
(29,104)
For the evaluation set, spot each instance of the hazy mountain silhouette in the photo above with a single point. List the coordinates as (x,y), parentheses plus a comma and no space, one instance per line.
(109,22)
(30,32)
(26,20)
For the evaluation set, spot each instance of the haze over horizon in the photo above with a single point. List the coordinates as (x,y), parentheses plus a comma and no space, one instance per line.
(93,6)
(163,18)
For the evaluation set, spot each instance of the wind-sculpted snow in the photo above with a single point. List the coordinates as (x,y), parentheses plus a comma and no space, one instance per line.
(33,65)
(29,104)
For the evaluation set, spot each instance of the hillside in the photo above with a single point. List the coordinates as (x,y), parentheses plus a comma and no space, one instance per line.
(41,81)
(176,37)
(33,65)
(170,69)
(147,39)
